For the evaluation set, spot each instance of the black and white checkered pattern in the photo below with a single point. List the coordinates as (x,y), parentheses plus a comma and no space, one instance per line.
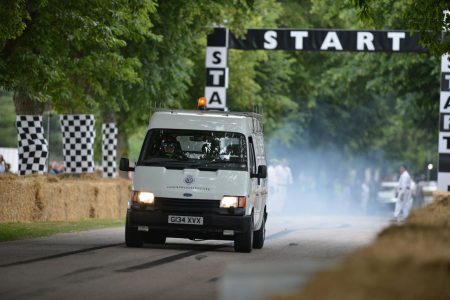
(109,149)
(78,133)
(33,148)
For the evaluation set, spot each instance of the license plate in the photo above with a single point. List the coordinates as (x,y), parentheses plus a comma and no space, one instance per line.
(186,220)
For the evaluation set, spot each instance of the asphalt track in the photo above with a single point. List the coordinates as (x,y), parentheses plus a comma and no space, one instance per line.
(97,265)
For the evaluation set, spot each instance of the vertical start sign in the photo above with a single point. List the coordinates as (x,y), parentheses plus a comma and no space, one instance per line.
(216,70)
(444,127)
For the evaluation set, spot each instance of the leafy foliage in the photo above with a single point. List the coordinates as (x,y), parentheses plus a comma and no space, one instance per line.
(122,57)
(425,16)
(380,107)
(8,133)
(62,52)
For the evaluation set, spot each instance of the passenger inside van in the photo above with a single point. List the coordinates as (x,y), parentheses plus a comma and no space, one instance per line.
(211,149)
(234,153)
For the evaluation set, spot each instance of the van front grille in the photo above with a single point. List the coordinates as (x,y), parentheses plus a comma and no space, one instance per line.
(188,205)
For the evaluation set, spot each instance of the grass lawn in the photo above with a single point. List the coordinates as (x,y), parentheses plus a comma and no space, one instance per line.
(19,230)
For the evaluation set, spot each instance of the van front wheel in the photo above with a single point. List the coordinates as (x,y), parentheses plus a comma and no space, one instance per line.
(260,235)
(243,242)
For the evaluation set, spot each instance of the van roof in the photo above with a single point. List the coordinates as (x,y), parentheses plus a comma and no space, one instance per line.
(242,122)
(210,112)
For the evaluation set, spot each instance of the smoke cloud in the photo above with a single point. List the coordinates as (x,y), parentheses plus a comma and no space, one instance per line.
(325,182)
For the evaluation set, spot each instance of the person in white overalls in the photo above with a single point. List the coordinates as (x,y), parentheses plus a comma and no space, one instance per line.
(404,199)
(284,179)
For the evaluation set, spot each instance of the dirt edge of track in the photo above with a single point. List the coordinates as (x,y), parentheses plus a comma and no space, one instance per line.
(406,261)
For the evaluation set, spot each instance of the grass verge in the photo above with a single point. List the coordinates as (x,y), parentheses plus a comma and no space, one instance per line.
(23,230)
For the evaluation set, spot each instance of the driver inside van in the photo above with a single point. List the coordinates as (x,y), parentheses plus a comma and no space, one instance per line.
(171,148)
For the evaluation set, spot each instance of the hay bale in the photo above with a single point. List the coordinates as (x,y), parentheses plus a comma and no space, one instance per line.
(411,261)
(66,200)
(373,280)
(396,266)
(17,198)
(111,199)
(62,198)
(437,213)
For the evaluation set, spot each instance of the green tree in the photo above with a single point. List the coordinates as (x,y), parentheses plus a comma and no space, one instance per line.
(258,79)
(62,52)
(8,134)
(66,55)
(171,63)
(427,17)
(381,107)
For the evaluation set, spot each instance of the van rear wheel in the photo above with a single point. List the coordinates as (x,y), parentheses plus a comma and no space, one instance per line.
(133,237)
(243,242)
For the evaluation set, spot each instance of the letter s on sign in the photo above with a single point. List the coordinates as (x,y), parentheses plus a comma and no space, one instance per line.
(217,57)
(270,40)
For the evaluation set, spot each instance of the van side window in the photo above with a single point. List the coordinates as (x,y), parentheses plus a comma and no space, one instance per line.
(261,158)
(252,156)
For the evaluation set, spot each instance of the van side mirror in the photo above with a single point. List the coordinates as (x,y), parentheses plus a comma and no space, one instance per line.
(262,171)
(124,165)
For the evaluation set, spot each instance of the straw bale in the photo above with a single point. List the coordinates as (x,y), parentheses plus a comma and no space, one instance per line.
(17,198)
(63,197)
(436,213)
(410,261)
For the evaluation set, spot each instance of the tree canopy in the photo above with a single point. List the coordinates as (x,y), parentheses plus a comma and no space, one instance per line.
(119,58)
(63,52)
(431,18)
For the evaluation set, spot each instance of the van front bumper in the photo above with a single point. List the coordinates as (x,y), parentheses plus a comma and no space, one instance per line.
(215,225)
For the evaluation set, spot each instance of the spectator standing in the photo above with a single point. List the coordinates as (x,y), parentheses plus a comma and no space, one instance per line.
(284,179)
(365,195)
(404,200)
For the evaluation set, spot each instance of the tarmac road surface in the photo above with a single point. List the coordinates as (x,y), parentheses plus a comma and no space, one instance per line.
(97,265)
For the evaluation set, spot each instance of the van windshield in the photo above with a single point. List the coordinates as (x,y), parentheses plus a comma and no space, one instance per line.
(178,148)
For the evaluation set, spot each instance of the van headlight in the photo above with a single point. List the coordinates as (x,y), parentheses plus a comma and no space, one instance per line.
(232,201)
(142,197)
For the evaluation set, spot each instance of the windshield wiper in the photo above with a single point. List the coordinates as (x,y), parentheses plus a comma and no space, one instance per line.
(160,162)
(209,164)
(183,164)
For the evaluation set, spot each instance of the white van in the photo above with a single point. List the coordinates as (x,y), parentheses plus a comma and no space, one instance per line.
(200,175)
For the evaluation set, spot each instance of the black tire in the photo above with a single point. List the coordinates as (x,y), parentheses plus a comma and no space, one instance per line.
(260,235)
(154,237)
(133,237)
(243,242)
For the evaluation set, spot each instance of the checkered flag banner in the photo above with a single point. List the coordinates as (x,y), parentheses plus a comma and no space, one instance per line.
(33,148)
(78,132)
(109,149)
